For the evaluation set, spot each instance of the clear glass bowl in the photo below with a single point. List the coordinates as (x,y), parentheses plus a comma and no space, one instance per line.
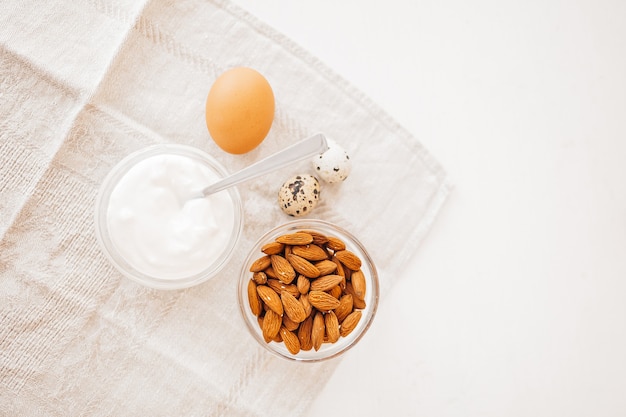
(114,254)
(327,350)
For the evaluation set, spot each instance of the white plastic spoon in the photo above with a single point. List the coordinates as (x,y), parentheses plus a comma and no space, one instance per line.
(307,148)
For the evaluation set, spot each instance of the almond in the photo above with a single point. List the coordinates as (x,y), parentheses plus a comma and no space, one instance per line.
(358,284)
(269,271)
(260,277)
(325,283)
(335,244)
(253,299)
(283,269)
(299,238)
(304,334)
(339,266)
(342,283)
(310,252)
(329,253)
(332,326)
(302,266)
(325,267)
(270,298)
(291,341)
(260,264)
(279,287)
(292,307)
(345,307)
(318,330)
(358,303)
(349,259)
(335,291)
(350,322)
(347,272)
(272,248)
(271,325)
(318,238)
(323,301)
(308,308)
(289,324)
(303,284)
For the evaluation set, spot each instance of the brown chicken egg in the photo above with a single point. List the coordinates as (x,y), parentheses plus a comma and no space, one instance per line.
(239,110)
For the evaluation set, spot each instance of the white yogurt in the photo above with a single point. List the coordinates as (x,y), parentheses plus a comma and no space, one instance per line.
(159,233)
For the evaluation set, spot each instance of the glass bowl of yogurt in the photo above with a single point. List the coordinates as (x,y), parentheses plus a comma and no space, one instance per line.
(150,228)
(304,350)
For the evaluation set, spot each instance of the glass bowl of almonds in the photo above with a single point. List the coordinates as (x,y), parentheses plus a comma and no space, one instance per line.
(308,290)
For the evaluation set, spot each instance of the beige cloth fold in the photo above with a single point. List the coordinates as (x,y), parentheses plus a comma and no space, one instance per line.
(84,84)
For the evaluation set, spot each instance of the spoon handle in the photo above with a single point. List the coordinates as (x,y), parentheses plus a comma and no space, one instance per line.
(307,148)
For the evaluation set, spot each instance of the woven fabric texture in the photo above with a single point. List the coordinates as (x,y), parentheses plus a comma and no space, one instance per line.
(84,84)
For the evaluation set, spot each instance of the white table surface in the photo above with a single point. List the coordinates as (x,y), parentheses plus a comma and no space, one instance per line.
(516,303)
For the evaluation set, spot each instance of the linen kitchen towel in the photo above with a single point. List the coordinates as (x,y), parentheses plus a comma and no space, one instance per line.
(83,84)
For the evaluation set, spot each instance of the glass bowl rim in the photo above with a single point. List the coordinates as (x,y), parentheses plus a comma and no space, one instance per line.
(338,348)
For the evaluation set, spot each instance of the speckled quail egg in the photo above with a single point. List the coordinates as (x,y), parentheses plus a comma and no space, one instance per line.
(299,195)
(333,165)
